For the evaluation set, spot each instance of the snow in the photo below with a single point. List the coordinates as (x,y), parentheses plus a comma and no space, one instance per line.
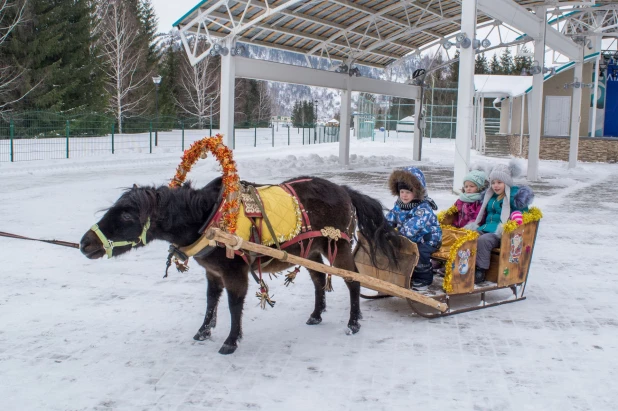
(498,86)
(113,334)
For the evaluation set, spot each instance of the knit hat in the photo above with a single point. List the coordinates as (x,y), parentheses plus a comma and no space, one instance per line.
(505,174)
(477,177)
(403,186)
(502,173)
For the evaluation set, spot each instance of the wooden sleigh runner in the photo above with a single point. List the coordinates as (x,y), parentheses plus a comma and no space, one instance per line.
(509,268)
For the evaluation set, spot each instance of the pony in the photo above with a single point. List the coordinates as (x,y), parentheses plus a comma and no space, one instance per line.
(176,215)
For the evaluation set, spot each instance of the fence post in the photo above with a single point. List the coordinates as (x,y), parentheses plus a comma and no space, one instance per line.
(113,127)
(303,136)
(182,125)
(233,136)
(67,133)
(273,134)
(12,136)
(255,137)
(288,135)
(150,136)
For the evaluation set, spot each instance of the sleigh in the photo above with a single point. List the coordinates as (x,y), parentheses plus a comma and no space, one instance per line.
(509,268)
(510,265)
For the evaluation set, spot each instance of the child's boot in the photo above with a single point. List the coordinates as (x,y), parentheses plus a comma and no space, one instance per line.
(479,275)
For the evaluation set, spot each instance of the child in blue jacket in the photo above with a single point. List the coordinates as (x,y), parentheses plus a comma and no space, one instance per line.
(413,216)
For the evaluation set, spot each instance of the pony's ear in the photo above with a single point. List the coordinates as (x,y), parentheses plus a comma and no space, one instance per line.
(134,186)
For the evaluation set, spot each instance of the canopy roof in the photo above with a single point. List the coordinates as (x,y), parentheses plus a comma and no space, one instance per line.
(370,32)
(499,86)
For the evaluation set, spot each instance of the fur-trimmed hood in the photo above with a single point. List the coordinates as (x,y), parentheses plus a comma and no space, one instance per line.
(410,177)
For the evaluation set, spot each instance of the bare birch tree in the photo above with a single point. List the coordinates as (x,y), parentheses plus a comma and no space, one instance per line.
(123,59)
(199,89)
(263,108)
(11,15)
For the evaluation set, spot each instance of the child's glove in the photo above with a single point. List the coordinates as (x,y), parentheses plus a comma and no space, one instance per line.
(472,226)
(517,217)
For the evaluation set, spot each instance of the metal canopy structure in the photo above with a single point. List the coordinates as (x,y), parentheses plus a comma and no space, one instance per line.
(374,33)
(379,33)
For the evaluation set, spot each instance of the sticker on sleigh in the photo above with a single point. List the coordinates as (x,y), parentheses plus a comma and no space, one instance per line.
(464,256)
(517,242)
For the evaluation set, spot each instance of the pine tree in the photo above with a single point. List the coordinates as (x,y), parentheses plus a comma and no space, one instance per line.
(494,65)
(480,64)
(522,62)
(55,46)
(506,62)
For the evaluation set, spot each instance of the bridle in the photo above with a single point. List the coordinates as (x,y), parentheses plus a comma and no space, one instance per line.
(108,245)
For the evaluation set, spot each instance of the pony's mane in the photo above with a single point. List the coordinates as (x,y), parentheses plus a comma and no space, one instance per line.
(182,203)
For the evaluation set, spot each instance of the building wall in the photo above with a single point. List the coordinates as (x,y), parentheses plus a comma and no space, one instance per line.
(552,87)
(555,87)
(597,149)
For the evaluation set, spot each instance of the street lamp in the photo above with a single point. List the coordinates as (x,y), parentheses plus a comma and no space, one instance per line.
(315,120)
(157,80)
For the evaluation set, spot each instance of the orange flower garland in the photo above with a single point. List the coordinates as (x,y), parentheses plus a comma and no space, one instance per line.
(231,181)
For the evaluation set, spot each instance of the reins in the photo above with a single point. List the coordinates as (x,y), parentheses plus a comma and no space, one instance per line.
(56,242)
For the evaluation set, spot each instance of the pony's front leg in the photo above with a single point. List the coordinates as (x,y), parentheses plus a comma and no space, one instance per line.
(213,294)
(236,286)
(345,260)
(319,282)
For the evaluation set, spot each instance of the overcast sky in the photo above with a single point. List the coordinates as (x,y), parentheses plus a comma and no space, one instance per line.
(170,11)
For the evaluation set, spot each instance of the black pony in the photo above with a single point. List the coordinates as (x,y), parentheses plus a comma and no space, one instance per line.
(176,216)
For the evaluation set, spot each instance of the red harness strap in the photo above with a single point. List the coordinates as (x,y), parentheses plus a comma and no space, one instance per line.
(288,187)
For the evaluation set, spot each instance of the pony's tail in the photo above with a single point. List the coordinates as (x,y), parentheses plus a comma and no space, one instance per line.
(374,227)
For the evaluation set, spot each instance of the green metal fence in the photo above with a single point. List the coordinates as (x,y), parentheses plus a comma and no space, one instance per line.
(43,135)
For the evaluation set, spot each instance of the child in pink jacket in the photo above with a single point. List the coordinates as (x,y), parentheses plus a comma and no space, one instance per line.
(468,206)
(470,200)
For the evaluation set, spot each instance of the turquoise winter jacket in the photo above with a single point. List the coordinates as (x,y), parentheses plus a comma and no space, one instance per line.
(494,209)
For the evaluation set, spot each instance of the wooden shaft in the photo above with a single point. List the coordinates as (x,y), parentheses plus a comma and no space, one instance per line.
(369,282)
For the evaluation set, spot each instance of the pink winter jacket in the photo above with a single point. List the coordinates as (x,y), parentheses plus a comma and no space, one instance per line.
(466,212)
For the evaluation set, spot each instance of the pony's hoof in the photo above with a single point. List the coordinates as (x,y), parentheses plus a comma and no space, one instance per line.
(227,349)
(202,335)
(314,321)
(360,315)
(354,328)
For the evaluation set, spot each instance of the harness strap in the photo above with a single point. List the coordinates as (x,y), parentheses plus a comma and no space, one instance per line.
(108,245)
(288,187)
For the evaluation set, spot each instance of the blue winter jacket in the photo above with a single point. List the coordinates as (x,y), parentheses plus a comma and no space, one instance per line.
(419,224)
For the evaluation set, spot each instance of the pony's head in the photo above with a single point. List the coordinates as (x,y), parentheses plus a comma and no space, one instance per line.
(125,225)
(143,214)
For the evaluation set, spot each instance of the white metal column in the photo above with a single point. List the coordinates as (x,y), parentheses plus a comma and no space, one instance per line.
(416,145)
(596,41)
(465,96)
(536,100)
(576,108)
(521,124)
(510,125)
(226,111)
(344,126)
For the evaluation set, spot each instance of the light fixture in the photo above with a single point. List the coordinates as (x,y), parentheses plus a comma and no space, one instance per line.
(156,80)
(354,71)
(485,43)
(217,49)
(342,68)
(577,84)
(447,45)
(238,50)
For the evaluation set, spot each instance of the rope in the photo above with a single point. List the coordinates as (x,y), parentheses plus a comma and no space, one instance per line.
(56,242)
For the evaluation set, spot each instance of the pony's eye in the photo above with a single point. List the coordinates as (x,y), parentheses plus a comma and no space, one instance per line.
(126,216)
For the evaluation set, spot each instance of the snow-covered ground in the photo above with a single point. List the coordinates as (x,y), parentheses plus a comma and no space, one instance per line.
(113,334)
